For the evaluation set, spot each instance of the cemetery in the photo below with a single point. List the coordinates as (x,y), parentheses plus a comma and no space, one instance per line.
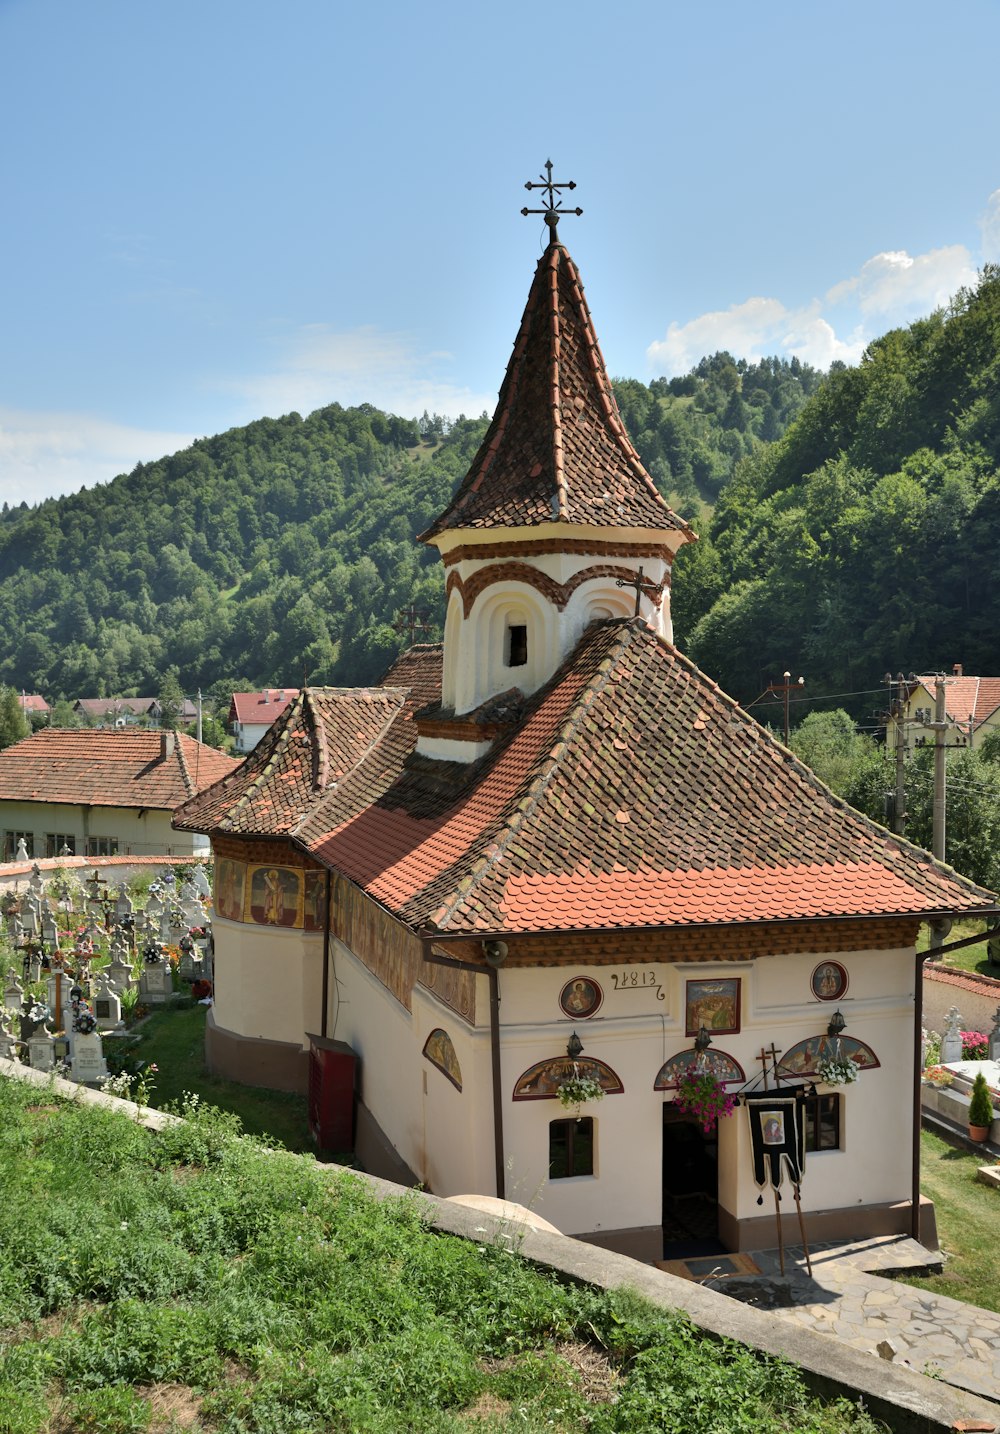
(86,960)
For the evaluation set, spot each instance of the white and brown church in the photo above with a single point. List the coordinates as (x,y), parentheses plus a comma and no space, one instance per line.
(552,833)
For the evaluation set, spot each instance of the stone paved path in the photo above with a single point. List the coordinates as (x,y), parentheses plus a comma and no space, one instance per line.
(848,1299)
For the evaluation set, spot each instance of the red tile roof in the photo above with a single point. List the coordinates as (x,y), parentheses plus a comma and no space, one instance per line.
(632,792)
(557,450)
(262,707)
(108,768)
(32,702)
(965,697)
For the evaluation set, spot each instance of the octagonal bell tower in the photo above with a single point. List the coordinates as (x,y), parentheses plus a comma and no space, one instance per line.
(556,524)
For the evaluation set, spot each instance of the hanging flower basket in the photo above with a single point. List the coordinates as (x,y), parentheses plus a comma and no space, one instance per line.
(838,1071)
(577,1089)
(705,1098)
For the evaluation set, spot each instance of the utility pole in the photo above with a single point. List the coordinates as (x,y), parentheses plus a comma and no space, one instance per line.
(783,689)
(939,724)
(199,714)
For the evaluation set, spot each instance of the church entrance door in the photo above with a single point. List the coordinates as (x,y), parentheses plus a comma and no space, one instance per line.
(690,1188)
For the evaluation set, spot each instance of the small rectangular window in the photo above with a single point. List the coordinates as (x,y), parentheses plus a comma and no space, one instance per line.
(102,846)
(55,842)
(11,840)
(517,645)
(571,1148)
(822,1116)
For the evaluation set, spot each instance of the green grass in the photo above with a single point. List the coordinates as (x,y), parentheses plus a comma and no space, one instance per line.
(262,1294)
(970,958)
(174,1040)
(967,1216)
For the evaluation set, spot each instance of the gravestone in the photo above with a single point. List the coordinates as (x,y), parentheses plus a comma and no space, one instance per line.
(35,882)
(951,1041)
(119,973)
(13,994)
(89,1065)
(191,965)
(123,905)
(31,910)
(156,983)
(200,882)
(22,851)
(107,1006)
(41,1050)
(993,1050)
(50,928)
(8,1041)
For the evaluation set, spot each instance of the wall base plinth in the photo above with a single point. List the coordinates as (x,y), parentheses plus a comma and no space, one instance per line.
(251,1060)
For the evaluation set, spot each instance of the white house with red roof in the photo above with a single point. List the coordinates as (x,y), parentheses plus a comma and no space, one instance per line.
(251,714)
(551,847)
(972,706)
(99,792)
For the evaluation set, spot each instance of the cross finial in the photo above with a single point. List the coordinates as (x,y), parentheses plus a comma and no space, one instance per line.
(553,209)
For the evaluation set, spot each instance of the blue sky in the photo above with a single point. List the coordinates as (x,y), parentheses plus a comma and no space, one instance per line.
(215,211)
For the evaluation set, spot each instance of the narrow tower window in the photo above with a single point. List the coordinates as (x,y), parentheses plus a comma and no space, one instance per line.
(517,645)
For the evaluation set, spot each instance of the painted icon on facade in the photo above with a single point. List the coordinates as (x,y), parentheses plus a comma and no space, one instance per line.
(714,1005)
(230,881)
(829,981)
(314,901)
(805,1058)
(580,998)
(274,895)
(440,1051)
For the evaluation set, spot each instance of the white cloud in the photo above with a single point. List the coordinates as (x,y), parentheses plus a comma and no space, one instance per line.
(319,365)
(43,455)
(890,289)
(989,229)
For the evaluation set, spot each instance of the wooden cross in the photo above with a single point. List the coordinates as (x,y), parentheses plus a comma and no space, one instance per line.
(411,620)
(766,1057)
(648,589)
(553,210)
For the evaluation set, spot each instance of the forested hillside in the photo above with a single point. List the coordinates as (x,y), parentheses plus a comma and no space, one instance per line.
(866,539)
(285,550)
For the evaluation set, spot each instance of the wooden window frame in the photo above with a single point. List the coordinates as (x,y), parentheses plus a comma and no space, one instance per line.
(573,1131)
(815,1126)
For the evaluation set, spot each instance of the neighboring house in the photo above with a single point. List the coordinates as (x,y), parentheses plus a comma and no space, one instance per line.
(251,714)
(972,706)
(128,711)
(34,706)
(102,793)
(552,844)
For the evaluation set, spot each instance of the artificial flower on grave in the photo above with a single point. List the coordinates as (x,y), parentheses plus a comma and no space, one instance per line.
(939,1076)
(705,1098)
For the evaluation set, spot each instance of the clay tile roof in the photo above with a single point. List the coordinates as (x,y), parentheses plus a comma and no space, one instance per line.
(557,450)
(33,702)
(118,768)
(630,792)
(965,697)
(262,707)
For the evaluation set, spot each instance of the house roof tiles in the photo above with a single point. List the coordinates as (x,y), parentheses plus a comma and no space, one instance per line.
(631,792)
(968,697)
(557,450)
(98,767)
(261,707)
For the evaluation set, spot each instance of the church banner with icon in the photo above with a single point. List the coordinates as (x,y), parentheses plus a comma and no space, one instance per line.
(777,1136)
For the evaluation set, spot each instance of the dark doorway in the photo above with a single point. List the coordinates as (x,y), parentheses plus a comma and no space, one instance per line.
(690,1188)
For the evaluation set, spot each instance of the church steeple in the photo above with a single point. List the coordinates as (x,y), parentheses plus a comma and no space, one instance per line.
(556,516)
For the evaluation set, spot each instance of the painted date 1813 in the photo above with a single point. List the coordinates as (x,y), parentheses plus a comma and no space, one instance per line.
(633,980)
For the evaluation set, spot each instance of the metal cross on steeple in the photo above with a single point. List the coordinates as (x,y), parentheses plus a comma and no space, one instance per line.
(553,209)
(643,588)
(412,621)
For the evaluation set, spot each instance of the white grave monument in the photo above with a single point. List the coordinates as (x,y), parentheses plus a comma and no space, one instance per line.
(88,1063)
(951,1041)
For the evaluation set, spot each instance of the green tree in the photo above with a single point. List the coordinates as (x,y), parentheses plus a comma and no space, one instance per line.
(13,725)
(171,700)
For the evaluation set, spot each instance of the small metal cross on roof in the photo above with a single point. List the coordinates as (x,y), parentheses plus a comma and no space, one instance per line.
(411,621)
(642,588)
(553,209)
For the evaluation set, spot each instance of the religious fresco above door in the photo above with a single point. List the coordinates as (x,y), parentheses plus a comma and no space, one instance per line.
(805,1058)
(314,901)
(275,896)
(710,1062)
(439,1049)
(230,881)
(714,1005)
(542,1080)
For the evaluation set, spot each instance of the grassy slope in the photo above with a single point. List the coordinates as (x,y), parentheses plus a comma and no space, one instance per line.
(143,1277)
(967,1214)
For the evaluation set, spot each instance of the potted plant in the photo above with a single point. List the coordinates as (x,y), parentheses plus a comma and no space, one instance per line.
(838,1070)
(705,1098)
(980,1109)
(576,1089)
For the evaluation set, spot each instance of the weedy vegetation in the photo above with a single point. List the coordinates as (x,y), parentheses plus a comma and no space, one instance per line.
(196,1279)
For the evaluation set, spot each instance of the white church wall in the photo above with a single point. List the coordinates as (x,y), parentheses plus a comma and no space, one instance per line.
(268,980)
(458,1125)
